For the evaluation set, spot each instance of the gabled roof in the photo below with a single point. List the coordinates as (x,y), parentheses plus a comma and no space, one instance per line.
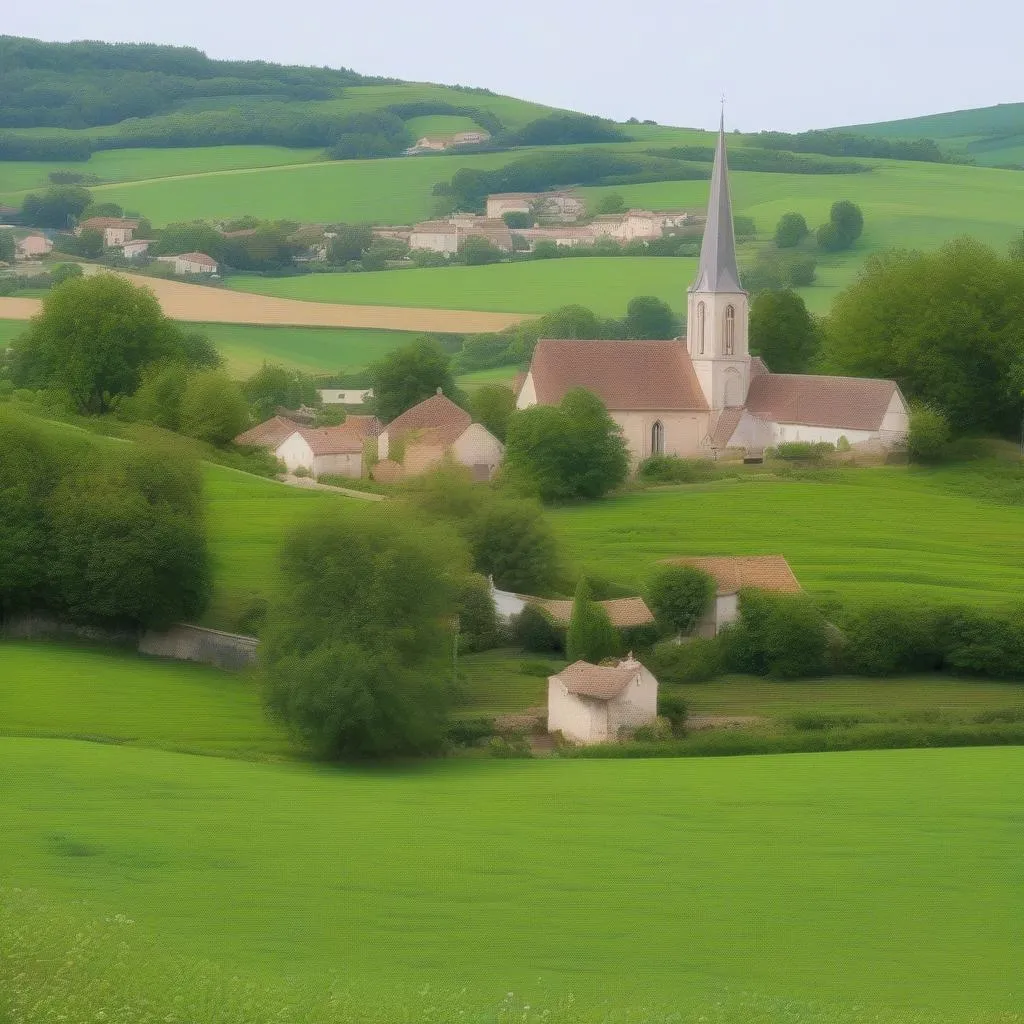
(725,426)
(365,426)
(851,403)
(435,411)
(268,434)
(717,271)
(197,257)
(625,375)
(434,227)
(330,440)
(599,681)
(733,573)
(109,222)
(623,612)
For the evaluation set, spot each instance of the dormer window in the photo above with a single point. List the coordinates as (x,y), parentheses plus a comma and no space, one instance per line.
(729,341)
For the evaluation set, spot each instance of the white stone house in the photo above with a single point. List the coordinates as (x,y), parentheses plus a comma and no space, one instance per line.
(345,396)
(115,230)
(598,704)
(136,247)
(733,573)
(191,263)
(705,393)
(32,246)
(436,236)
(323,450)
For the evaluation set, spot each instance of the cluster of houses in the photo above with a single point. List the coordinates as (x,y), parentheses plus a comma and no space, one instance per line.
(439,143)
(413,443)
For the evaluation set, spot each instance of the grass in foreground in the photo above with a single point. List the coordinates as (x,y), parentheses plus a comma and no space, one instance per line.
(853,881)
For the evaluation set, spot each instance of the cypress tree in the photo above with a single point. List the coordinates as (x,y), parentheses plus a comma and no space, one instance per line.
(591,636)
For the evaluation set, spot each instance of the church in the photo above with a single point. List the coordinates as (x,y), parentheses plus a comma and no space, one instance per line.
(703,394)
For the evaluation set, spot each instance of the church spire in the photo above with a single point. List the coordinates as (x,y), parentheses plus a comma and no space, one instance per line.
(718,271)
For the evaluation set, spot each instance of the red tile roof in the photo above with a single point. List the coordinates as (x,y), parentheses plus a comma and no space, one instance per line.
(600,681)
(735,573)
(268,434)
(331,440)
(623,612)
(851,403)
(625,375)
(436,411)
(108,222)
(197,257)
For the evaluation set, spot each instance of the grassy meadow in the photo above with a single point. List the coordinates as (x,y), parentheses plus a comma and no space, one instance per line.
(486,883)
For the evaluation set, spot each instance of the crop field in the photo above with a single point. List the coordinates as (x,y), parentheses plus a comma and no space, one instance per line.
(316,350)
(81,692)
(522,883)
(9,330)
(858,535)
(604,284)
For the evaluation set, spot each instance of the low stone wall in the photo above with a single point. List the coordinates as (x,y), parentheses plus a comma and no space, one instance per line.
(196,643)
(35,627)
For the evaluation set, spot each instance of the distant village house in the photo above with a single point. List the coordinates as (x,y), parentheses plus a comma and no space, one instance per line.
(345,396)
(32,247)
(555,206)
(115,230)
(191,263)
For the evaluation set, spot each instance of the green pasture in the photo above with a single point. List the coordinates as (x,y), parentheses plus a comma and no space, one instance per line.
(9,330)
(605,284)
(313,349)
(856,535)
(836,887)
(79,692)
(114,165)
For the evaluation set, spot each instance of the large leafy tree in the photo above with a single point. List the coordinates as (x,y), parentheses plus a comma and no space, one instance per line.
(213,408)
(572,450)
(492,404)
(92,340)
(356,651)
(591,635)
(649,318)
(791,230)
(947,325)
(408,375)
(679,595)
(272,386)
(782,332)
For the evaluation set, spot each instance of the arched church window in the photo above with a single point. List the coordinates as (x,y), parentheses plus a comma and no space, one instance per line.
(700,328)
(729,347)
(658,438)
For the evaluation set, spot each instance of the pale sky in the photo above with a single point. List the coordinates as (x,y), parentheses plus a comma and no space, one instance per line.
(783,64)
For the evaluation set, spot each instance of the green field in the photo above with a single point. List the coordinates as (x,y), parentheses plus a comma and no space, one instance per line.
(835,887)
(313,349)
(9,330)
(864,535)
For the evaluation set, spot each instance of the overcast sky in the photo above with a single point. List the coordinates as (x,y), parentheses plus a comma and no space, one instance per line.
(785,64)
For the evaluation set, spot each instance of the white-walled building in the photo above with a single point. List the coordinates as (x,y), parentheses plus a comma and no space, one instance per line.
(435,236)
(705,393)
(191,263)
(561,205)
(345,396)
(115,230)
(323,450)
(733,573)
(136,247)
(598,704)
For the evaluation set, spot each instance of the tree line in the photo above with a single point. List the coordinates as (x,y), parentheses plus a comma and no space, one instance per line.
(770,161)
(833,143)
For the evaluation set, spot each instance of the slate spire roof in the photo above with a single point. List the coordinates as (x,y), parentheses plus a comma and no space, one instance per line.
(717,271)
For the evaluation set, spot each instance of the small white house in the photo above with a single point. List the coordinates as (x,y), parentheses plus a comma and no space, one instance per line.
(32,246)
(345,396)
(321,450)
(600,704)
(436,236)
(192,263)
(136,247)
(733,574)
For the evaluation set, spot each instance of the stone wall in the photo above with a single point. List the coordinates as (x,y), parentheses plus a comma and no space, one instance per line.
(195,643)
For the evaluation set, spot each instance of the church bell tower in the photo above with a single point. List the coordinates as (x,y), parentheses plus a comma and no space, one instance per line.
(717,309)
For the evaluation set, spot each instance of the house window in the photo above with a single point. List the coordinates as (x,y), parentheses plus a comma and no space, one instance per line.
(700,328)
(658,438)
(729,347)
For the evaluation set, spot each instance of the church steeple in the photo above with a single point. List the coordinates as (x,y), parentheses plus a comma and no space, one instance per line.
(718,271)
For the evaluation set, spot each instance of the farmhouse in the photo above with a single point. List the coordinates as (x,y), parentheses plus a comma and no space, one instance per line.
(445,236)
(704,393)
(345,396)
(268,434)
(733,574)
(634,225)
(136,247)
(623,612)
(429,432)
(555,206)
(435,235)
(32,246)
(598,704)
(115,230)
(191,263)
(334,450)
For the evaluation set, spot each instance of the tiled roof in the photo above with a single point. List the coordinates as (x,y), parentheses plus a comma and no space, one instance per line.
(443,435)
(109,222)
(853,403)
(725,426)
(197,257)
(625,375)
(435,411)
(365,426)
(602,682)
(268,434)
(434,227)
(735,573)
(623,612)
(331,440)
(757,367)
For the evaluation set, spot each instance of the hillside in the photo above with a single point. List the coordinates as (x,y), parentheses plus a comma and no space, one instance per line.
(989,136)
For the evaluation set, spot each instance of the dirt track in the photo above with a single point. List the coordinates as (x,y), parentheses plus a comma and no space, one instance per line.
(219,305)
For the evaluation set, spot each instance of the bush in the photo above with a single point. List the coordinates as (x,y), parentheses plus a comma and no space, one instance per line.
(929,434)
(509,747)
(791,230)
(673,708)
(591,635)
(985,644)
(804,451)
(533,629)
(678,596)
(886,640)
(478,620)
(670,469)
(213,408)
(468,732)
(698,660)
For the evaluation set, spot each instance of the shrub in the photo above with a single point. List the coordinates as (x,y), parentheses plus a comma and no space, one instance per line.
(213,408)
(929,434)
(678,596)
(533,629)
(885,640)
(591,635)
(811,451)
(791,230)
(301,471)
(478,620)
(695,661)
(985,644)
(509,747)
(672,707)
(468,732)
(670,469)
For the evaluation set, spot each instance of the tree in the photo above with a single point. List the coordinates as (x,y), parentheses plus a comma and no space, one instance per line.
(829,238)
(95,209)
(678,596)
(573,450)
(612,202)
(92,340)
(946,325)
(648,317)
(517,219)
(8,246)
(64,272)
(213,408)
(90,243)
(782,332)
(158,397)
(492,404)
(478,618)
(511,541)
(1016,249)
(197,236)
(848,219)
(790,231)
(356,652)
(591,635)
(272,386)
(477,251)
(57,207)
(350,242)
(408,375)
(928,435)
